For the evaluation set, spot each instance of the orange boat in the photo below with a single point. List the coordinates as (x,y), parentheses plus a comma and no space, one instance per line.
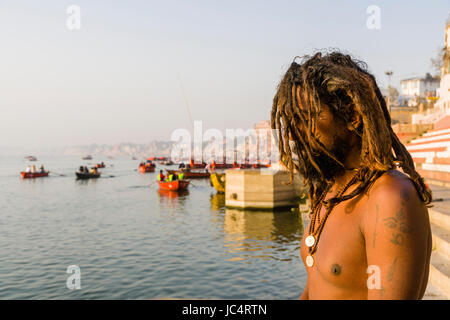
(194,165)
(190,174)
(30,175)
(177,185)
(145,169)
(100,165)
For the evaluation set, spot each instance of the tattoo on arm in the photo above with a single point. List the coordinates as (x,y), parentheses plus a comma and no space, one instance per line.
(391,270)
(399,226)
(375,229)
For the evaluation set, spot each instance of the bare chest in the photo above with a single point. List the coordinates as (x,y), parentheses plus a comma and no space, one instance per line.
(340,256)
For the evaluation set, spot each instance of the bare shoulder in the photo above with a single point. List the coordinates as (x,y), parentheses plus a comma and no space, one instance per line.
(394,187)
(394,191)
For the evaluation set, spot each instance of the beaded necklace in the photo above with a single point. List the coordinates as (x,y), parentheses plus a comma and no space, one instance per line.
(312,239)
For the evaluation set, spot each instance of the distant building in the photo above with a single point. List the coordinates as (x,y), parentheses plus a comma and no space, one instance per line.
(444,89)
(263,124)
(413,89)
(440,114)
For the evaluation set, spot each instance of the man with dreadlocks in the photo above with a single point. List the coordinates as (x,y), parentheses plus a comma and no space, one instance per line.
(369,232)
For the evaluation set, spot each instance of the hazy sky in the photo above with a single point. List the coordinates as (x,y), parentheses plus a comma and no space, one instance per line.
(119,78)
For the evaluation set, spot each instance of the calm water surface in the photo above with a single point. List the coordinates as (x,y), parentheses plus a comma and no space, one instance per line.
(133,242)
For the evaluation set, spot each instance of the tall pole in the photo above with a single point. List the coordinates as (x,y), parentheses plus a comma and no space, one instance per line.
(389,74)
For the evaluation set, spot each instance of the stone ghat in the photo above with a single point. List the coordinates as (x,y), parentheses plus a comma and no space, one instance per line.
(261,189)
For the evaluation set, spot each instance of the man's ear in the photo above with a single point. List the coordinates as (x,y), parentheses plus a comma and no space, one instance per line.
(355,124)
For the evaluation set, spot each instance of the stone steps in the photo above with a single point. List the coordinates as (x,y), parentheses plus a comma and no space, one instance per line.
(441,241)
(440,274)
(439,277)
(431,155)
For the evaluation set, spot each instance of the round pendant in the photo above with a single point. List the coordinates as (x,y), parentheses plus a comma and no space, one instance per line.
(309,261)
(310,240)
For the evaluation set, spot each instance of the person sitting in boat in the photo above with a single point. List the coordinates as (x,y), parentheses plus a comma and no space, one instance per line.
(42,168)
(28,169)
(94,170)
(33,168)
(181,166)
(86,170)
(181,175)
(161,176)
(170,177)
(81,169)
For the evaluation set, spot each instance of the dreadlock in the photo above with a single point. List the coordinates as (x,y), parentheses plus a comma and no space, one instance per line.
(344,84)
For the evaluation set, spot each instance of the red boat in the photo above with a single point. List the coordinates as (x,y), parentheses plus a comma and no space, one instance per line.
(190,174)
(100,165)
(177,185)
(30,175)
(194,165)
(222,166)
(145,169)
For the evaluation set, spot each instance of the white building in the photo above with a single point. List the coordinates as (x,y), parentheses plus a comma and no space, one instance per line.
(441,111)
(413,89)
(444,89)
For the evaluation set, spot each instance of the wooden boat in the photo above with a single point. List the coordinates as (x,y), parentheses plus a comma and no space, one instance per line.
(197,165)
(84,175)
(251,166)
(177,185)
(218,181)
(30,175)
(223,166)
(146,169)
(190,174)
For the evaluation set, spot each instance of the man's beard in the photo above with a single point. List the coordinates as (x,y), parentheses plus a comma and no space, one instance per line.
(330,168)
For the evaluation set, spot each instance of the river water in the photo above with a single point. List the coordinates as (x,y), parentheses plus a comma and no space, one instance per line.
(131,241)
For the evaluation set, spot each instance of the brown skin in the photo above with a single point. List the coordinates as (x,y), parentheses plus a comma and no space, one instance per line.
(387,227)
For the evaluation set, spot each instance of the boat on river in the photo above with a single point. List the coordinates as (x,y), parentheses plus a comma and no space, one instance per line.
(87,175)
(177,185)
(218,181)
(190,174)
(31,175)
(100,165)
(146,169)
